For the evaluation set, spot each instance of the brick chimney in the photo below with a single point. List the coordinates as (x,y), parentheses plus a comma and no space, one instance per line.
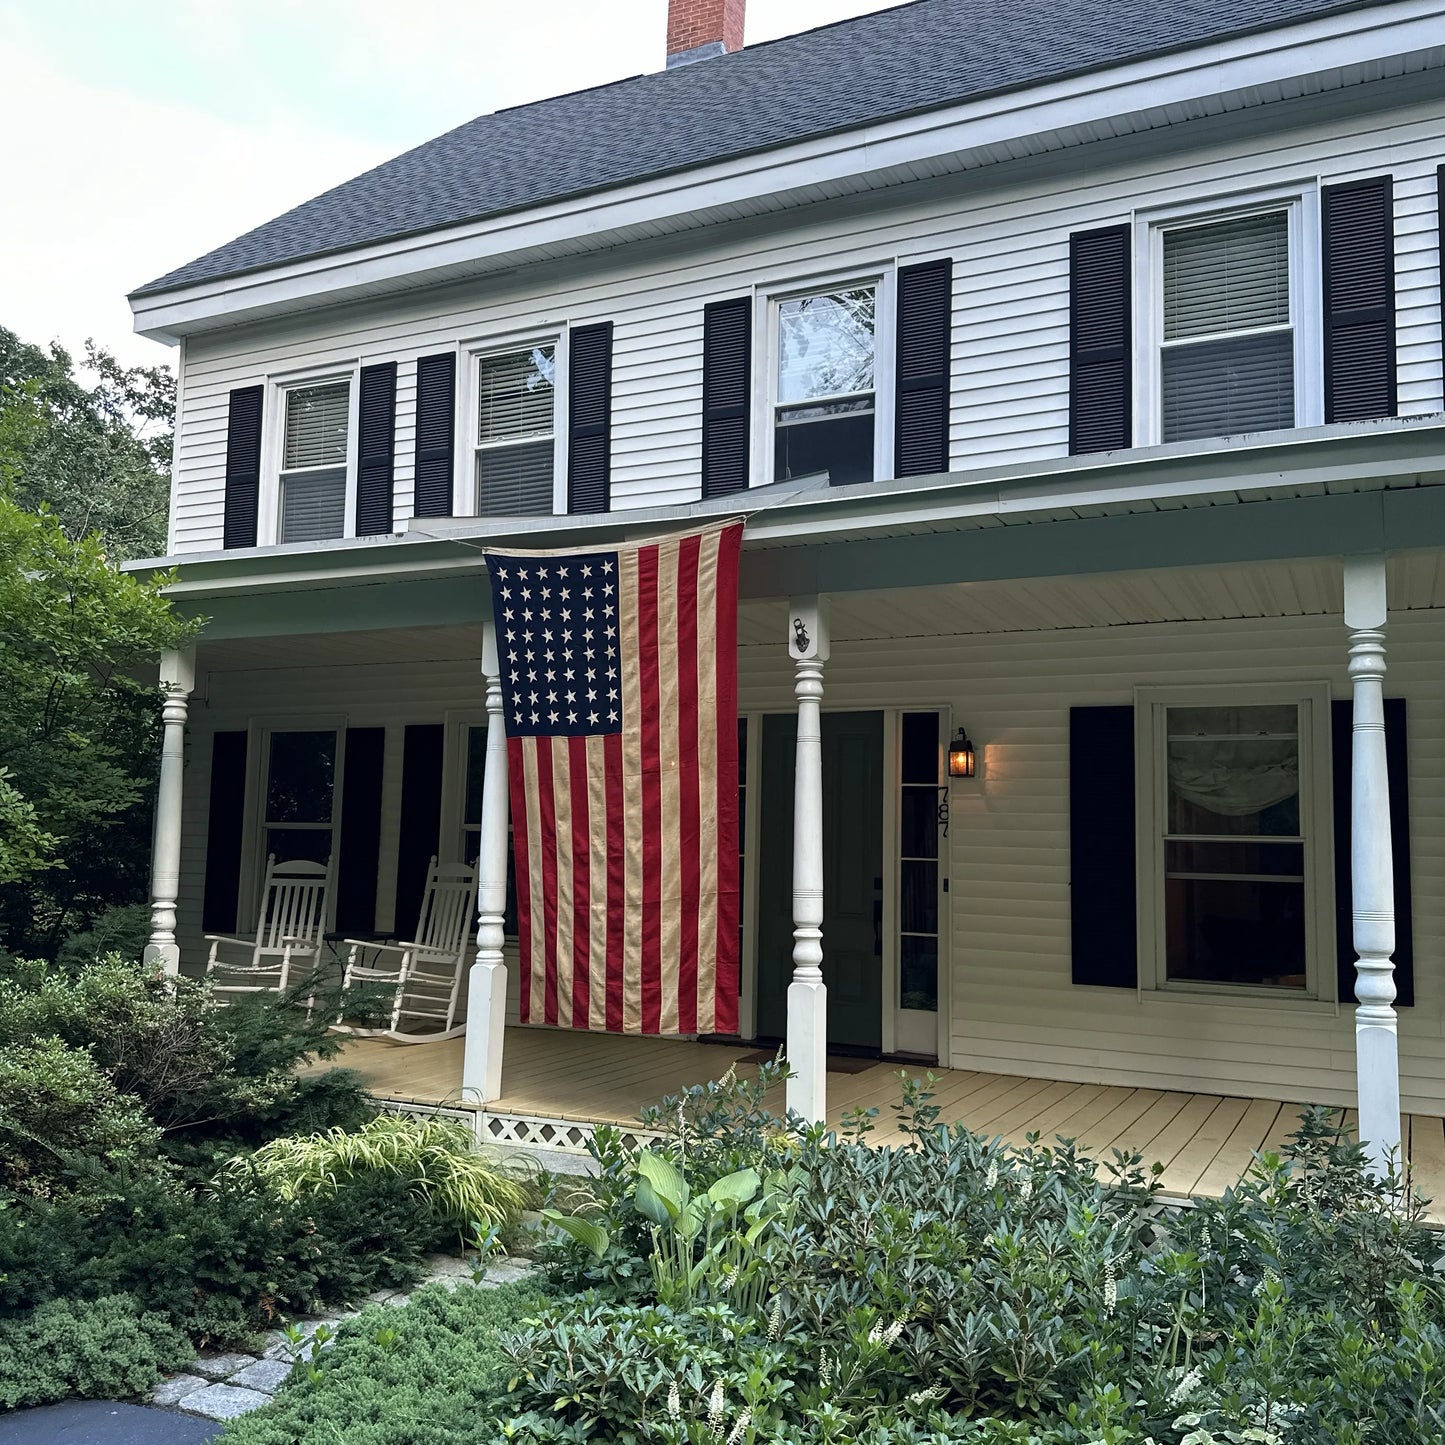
(700,29)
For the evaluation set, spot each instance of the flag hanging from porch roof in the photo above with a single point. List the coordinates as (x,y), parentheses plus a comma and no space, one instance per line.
(619,679)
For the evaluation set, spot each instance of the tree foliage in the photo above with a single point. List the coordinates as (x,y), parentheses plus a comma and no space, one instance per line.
(78,726)
(97,456)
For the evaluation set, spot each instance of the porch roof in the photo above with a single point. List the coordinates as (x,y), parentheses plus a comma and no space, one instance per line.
(1311,492)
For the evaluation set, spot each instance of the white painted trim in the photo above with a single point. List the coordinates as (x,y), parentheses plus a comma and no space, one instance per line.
(456,723)
(892,880)
(1301,204)
(259,731)
(1338,45)
(471,352)
(279,385)
(751,823)
(768,295)
(1150,751)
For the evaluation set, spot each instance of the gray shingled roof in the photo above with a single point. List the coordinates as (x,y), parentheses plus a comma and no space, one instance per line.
(919,56)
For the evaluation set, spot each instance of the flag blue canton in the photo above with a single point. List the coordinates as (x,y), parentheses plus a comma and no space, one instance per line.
(558,629)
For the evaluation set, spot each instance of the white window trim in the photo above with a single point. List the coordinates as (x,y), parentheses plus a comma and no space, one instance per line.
(472,352)
(273,448)
(454,779)
(1301,202)
(766,302)
(253,820)
(1316,815)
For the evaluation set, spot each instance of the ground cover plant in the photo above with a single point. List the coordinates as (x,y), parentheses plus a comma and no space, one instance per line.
(430,1372)
(131,1111)
(740,1282)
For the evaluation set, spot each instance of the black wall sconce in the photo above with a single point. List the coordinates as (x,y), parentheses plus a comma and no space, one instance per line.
(962,761)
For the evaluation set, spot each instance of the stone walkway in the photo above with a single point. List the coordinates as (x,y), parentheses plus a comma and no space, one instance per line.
(223,1386)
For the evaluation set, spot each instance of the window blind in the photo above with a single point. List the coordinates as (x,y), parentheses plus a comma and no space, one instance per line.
(1222,388)
(1230,276)
(515,395)
(515,481)
(313,505)
(317,424)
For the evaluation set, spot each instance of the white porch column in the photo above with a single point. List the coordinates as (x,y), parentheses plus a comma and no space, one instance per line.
(487,982)
(807,1044)
(178,681)
(1372,879)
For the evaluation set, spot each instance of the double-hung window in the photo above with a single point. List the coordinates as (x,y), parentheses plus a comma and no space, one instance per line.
(315,461)
(300,798)
(825,387)
(516,431)
(1234,866)
(1228,322)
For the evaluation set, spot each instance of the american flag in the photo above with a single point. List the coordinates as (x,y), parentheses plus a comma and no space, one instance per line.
(619,680)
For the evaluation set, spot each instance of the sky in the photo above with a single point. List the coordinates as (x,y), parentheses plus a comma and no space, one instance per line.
(143,133)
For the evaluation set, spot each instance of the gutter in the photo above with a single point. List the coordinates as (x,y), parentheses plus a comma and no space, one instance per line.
(1394,451)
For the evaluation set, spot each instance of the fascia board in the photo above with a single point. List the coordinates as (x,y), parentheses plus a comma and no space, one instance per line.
(1339,43)
(1408,451)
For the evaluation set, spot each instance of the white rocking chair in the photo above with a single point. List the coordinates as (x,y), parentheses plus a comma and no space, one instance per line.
(295,901)
(426,973)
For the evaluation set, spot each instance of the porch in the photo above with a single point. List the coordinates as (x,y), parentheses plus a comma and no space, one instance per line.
(558,1084)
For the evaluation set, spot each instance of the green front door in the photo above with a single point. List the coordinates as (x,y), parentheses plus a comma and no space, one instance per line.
(852,876)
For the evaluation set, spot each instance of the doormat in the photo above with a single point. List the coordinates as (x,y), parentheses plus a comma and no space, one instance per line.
(837,1063)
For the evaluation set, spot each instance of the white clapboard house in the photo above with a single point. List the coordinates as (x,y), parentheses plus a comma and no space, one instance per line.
(1078,367)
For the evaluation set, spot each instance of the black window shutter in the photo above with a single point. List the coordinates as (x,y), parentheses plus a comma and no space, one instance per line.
(360,830)
(1101,412)
(223,832)
(1398,770)
(727,371)
(589,419)
(1358,223)
(1103,921)
(436,410)
(243,468)
(925,324)
(376,449)
(421,820)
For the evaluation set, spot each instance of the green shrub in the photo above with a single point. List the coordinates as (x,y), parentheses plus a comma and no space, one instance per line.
(61,1119)
(856,1291)
(213,1079)
(435,1157)
(124,930)
(427,1373)
(100,1349)
(220,1264)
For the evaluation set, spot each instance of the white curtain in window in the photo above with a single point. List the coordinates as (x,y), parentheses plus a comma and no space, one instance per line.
(1234,777)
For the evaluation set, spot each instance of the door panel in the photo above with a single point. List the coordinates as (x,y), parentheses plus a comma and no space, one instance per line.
(852,876)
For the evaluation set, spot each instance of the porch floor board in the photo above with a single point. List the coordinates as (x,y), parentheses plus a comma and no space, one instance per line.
(1205,1142)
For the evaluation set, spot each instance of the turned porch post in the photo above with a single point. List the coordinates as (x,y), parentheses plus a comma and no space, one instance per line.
(807,1044)
(487,982)
(1372,878)
(178,681)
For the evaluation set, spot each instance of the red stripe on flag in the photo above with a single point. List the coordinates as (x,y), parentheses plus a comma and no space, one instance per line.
(547,849)
(518,791)
(581,884)
(616,876)
(725,661)
(649,709)
(689,827)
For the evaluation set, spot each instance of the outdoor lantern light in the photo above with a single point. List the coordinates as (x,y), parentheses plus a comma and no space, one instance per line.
(960,756)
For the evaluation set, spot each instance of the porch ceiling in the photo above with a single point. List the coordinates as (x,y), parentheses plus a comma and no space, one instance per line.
(1182,594)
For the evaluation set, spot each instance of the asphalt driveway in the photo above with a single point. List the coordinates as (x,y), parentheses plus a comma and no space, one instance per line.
(100,1422)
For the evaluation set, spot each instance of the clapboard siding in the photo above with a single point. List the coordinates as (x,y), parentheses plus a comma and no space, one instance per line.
(1007,230)
(1014,1008)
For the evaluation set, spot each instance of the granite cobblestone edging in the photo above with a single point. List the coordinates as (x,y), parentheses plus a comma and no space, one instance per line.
(223,1386)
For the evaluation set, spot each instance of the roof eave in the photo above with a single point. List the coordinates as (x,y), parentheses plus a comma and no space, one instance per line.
(1229,73)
